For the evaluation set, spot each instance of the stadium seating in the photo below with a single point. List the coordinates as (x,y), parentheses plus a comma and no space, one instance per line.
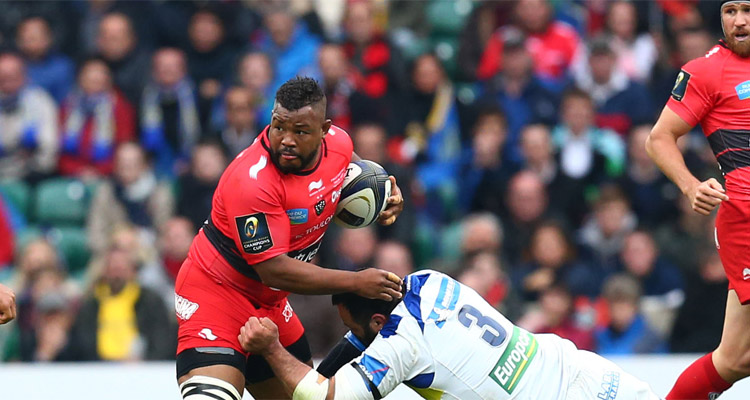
(18,195)
(62,202)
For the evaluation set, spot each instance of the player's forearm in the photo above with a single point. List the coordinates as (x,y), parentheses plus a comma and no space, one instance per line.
(292,371)
(295,276)
(662,148)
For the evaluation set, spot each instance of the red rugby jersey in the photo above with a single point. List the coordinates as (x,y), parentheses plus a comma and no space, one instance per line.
(714,90)
(258,212)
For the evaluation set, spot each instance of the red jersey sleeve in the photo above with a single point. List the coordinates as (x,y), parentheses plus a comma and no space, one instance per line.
(692,92)
(257,221)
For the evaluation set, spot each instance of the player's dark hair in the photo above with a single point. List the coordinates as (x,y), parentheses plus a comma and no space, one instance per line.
(362,309)
(299,92)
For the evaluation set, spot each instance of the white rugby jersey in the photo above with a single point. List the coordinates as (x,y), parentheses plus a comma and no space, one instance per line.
(445,342)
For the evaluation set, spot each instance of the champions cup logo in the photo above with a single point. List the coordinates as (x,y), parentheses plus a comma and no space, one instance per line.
(680,77)
(251,227)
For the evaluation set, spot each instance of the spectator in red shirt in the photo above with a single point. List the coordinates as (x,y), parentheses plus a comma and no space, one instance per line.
(96,117)
(553,44)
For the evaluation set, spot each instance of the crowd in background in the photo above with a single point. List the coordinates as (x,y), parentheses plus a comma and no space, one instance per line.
(515,130)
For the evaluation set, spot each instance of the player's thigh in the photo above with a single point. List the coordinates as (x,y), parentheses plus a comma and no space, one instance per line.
(599,378)
(206,383)
(733,245)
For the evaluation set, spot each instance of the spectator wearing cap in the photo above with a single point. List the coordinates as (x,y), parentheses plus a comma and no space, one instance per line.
(620,102)
(46,67)
(519,92)
(552,44)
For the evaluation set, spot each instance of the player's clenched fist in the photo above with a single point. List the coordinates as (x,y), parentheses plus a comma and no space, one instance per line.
(378,284)
(395,205)
(705,196)
(258,335)
(7,305)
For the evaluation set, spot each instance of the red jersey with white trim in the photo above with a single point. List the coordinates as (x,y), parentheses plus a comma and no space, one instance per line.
(714,90)
(258,213)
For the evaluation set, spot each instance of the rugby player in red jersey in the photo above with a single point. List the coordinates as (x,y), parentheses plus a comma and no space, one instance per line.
(714,91)
(269,213)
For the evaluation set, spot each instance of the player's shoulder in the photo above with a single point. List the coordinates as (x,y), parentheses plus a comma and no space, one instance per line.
(252,167)
(707,64)
(338,140)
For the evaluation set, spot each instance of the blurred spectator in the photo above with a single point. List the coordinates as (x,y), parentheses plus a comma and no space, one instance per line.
(289,44)
(50,69)
(196,188)
(544,36)
(208,54)
(53,319)
(382,75)
(690,43)
(486,18)
(120,320)
(520,93)
(566,195)
(551,257)
(649,191)
(662,282)
(700,319)
(28,120)
(682,238)
(338,82)
(484,273)
(485,171)
(170,119)
(588,154)
(117,44)
(7,234)
(394,257)
(627,331)
(603,234)
(256,73)
(355,248)
(370,144)
(556,314)
(433,137)
(481,232)
(636,52)
(96,118)
(620,102)
(527,205)
(241,127)
(175,237)
(132,196)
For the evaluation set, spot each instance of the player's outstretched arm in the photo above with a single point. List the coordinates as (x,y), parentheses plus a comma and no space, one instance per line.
(661,146)
(261,336)
(286,273)
(7,304)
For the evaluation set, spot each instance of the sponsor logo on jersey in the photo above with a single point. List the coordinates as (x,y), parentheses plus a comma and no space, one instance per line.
(306,254)
(320,206)
(743,90)
(680,85)
(255,169)
(373,369)
(206,333)
(610,385)
(515,360)
(254,233)
(339,178)
(746,274)
(183,307)
(335,195)
(297,215)
(315,185)
(288,312)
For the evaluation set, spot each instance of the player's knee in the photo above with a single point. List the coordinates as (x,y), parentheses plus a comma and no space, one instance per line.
(207,388)
(734,363)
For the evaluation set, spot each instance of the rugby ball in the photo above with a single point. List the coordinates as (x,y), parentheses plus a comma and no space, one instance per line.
(363,196)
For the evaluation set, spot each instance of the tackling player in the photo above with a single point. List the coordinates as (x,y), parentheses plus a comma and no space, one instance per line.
(445,342)
(269,213)
(714,91)
(7,304)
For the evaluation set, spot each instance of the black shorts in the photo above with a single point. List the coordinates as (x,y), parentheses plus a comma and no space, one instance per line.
(254,367)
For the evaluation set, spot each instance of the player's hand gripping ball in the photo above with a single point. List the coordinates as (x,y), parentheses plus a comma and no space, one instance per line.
(363,194)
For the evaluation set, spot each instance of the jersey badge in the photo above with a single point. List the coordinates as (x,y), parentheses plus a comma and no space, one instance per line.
(373,369)
(297,216)
(254,233)
(743,90)
(320,207)
(680,85)
(515,360)
(258,167)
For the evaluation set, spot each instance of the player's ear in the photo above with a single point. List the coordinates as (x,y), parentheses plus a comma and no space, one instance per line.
(377,321)
(326,126)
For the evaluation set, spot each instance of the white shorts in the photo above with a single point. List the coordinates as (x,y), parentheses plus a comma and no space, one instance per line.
(601,379)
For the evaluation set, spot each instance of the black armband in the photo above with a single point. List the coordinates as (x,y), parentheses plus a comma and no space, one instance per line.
(346,350)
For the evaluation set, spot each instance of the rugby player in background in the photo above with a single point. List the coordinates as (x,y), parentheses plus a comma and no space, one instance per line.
(714,91)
